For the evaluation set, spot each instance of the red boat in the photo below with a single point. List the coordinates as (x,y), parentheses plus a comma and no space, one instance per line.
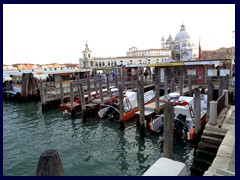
(66,107)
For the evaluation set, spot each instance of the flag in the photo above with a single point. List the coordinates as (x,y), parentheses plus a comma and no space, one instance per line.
(199,51)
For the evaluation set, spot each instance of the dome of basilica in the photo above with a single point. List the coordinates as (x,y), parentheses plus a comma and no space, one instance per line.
(182,34)
(169,40)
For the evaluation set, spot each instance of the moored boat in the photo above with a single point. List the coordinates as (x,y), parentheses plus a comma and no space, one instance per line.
(129,103)
(77,107)
(184,124)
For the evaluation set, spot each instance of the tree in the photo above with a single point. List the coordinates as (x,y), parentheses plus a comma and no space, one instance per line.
(175,55)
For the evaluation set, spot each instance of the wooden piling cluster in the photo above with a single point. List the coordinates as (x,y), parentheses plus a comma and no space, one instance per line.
(29,89)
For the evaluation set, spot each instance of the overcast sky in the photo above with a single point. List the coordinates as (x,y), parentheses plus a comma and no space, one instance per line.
(58,33)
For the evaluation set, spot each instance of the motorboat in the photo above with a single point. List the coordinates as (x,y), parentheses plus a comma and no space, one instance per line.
(184,124)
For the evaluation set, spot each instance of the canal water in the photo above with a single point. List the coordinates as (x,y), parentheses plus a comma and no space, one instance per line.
(93,148)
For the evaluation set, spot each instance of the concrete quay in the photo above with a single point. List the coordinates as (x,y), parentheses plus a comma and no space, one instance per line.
(224,162)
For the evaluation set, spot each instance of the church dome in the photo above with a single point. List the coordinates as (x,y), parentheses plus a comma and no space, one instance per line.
(169,40)
(182,34)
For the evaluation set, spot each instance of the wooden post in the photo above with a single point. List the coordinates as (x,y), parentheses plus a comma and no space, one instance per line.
(89,90)
(190,84)
(44,96)
(157,108)
(101,92)
(181,86)
(41,90)
(141,77)
(132,84)
(121,108)
(72,99)
(95,83)
(141,107)
(34,85)
(197,111)
(165,85)
(168,130)
(24,86)
(61,91)
(30,85)
(84,118)
(209,96)
(108,88)
(116,80)
(172,85)
(50,164)
(122,78)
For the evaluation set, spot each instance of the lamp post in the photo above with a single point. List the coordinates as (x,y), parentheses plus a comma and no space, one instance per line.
(231,64)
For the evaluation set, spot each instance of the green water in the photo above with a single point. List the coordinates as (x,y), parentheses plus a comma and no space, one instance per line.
(93,148)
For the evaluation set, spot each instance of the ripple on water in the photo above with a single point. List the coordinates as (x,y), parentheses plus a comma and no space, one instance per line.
(95,147)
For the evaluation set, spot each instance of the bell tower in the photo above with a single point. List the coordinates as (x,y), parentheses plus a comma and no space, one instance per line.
(87,57)
(163,43)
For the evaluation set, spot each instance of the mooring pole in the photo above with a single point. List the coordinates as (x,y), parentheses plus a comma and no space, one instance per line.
(165,85)
(172,85)
(89,90)
(101,92)
(61,91)
(190,84)
(141,108)
(197,111)
(108,88)
(168,129)
(209,96)
(121,109)
(181,85)
(72,100)
(50,164)
(84,117)
(157,108)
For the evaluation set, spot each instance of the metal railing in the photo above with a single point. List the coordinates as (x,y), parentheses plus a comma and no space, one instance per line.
(220,104)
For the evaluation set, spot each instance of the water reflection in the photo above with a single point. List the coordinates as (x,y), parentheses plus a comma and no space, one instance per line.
(121,158)
(140,155)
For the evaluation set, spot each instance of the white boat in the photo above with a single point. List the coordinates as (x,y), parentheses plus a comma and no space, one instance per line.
(183,116)
(130,105)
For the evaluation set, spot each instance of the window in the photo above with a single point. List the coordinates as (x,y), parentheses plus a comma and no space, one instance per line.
(103,63)
(96,63)
(108,63)
(100,64)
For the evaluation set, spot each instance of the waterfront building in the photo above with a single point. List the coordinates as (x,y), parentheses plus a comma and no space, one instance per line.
(133,57)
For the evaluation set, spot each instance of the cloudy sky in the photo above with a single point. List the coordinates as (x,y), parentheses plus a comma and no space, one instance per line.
(58,33)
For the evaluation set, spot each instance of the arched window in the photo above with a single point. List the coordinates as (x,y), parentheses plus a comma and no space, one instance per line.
(103,63)
(96,63)
(108,63)
(115,63)
(100,64)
